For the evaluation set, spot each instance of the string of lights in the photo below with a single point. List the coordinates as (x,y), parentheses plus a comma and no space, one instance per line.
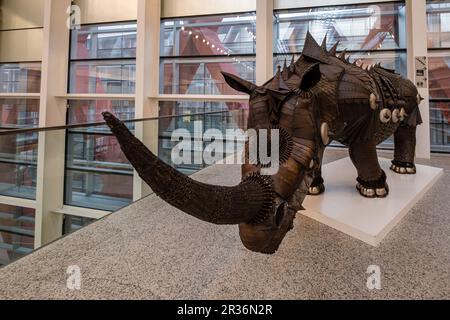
(219,47)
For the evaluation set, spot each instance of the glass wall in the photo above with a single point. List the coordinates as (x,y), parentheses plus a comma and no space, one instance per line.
(18,153)
(103,61)
(16,233)
(438,15)
(229,117)
(98,175)
(73,223)
(369,32)
(194,52)
(20,77)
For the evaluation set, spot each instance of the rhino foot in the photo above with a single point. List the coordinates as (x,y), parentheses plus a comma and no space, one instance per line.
(373,189)
(372,193)
(316,191)
(317,187)
(403,167)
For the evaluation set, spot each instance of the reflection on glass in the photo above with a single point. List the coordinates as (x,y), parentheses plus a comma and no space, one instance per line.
(90,111)
(16,233)
(196,50)
(18,179)
(102,191)
(439,74)
(18,152)
(391,60)
(209,35)
(233,117)
(73,223)
(96,151)
(111,77)
(440,126)
(203,77)
(358,27)
(20,77)
(438,15)
(104,41)
(19,113)
(98,175)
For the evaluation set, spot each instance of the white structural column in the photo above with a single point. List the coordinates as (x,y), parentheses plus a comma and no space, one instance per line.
(264,40)
(50,171)
(147,80)
(417,47)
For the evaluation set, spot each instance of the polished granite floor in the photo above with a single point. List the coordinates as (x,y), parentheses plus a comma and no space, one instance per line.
(152,251)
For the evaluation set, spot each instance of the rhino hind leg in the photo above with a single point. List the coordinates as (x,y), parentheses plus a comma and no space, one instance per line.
(317,186)
(405,150)
(371,178)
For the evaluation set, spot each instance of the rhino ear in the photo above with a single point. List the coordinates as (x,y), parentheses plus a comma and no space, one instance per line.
(311,77)
(239,84)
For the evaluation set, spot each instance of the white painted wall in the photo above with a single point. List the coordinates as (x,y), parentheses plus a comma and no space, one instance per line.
(264,41)
(51,149)
(21,14)
(418,46)
(97,11)
(21,45)
(180,8)
(289,4)
(21,34)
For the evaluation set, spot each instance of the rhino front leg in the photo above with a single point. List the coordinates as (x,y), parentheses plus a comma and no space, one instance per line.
(317,186)
(371,178)
(405,150)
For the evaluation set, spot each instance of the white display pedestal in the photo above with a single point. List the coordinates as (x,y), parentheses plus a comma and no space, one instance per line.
(370,220)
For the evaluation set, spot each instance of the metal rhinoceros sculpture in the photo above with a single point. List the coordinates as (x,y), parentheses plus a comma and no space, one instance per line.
(317,99)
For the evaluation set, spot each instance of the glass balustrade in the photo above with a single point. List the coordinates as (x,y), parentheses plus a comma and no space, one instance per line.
(97,175)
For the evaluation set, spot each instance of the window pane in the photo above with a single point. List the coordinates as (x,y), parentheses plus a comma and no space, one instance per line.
(210,35)
(20,78)
(98,174)
(19,113)
(18,164)
(115,77)
(392,60)
(18,152)
(234,117)
(73,223)
(203,76)
(440,126)
(104,41)
(96,152)
(357,27)
(90,111)
(438,13)
(196,50)
(439,73)
(100,191)
(16,233)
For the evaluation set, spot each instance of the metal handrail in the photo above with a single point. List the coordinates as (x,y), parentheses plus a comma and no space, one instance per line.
(97,124)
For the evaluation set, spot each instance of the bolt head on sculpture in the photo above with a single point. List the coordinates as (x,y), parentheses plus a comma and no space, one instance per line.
(319,98)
